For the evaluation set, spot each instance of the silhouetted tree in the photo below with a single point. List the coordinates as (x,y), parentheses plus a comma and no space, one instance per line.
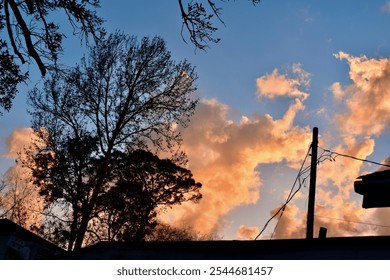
(166,232)
(145,185)
(34,34)
(126,95)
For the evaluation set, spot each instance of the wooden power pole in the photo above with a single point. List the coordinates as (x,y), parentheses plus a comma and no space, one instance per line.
(312,187)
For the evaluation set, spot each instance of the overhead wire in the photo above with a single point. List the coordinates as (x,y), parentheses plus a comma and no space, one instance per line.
(291,195)
(354,222)
(325,155)
(333,158)
(301,182)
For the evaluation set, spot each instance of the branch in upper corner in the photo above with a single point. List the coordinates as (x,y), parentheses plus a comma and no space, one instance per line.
(199,22)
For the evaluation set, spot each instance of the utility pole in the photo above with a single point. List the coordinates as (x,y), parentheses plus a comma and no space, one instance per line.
(312,187)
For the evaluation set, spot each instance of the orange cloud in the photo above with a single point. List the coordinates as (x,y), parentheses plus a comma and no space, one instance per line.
(247,233)
(223,154)
(365,115)
(291,225)
(341,172)
(275,84)
(20,198)
(367,99)
(19,138)
(332,212)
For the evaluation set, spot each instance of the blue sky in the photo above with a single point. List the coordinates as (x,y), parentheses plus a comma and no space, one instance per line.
(281,36)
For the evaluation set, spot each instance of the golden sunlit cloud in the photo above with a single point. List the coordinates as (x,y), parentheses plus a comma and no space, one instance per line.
(342,172)
(247,233)
(291,225)
(275,84)
(19,138)
(367,99)
(364,114)
(223,155)
(20,198)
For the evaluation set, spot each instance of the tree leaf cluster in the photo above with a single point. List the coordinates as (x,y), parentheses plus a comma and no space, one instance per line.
(145,186)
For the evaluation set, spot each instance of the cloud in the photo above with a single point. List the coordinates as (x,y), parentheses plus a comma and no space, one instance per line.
(276,85)
(341,172)
(386,162)
(247,233)
(339,217)
(18,139)
(338,93)
(20,198)
(363,114)
(223,155)
(367,99)
(291,224)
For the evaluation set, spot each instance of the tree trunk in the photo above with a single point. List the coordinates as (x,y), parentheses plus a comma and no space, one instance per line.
(140,234)
(73,230)
(87,211)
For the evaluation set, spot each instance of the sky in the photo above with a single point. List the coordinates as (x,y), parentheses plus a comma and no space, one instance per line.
(281,68)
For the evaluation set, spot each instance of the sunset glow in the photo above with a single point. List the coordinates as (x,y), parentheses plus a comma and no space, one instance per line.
(281,68)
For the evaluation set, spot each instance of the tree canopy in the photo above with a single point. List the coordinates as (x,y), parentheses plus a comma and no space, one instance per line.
(127,95)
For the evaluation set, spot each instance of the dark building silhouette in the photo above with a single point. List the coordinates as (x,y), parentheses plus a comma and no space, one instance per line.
(336,248)
(18,243)
(375,188)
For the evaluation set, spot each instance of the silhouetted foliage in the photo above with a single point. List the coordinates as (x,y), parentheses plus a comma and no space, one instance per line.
(145,185)
(34,34)
(165,232)
(10,76)
(127,95)
(199,21)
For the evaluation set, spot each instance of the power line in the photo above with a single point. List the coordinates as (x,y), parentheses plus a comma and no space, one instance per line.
(323,157)
(333,158)
(354,222)
(291,194)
